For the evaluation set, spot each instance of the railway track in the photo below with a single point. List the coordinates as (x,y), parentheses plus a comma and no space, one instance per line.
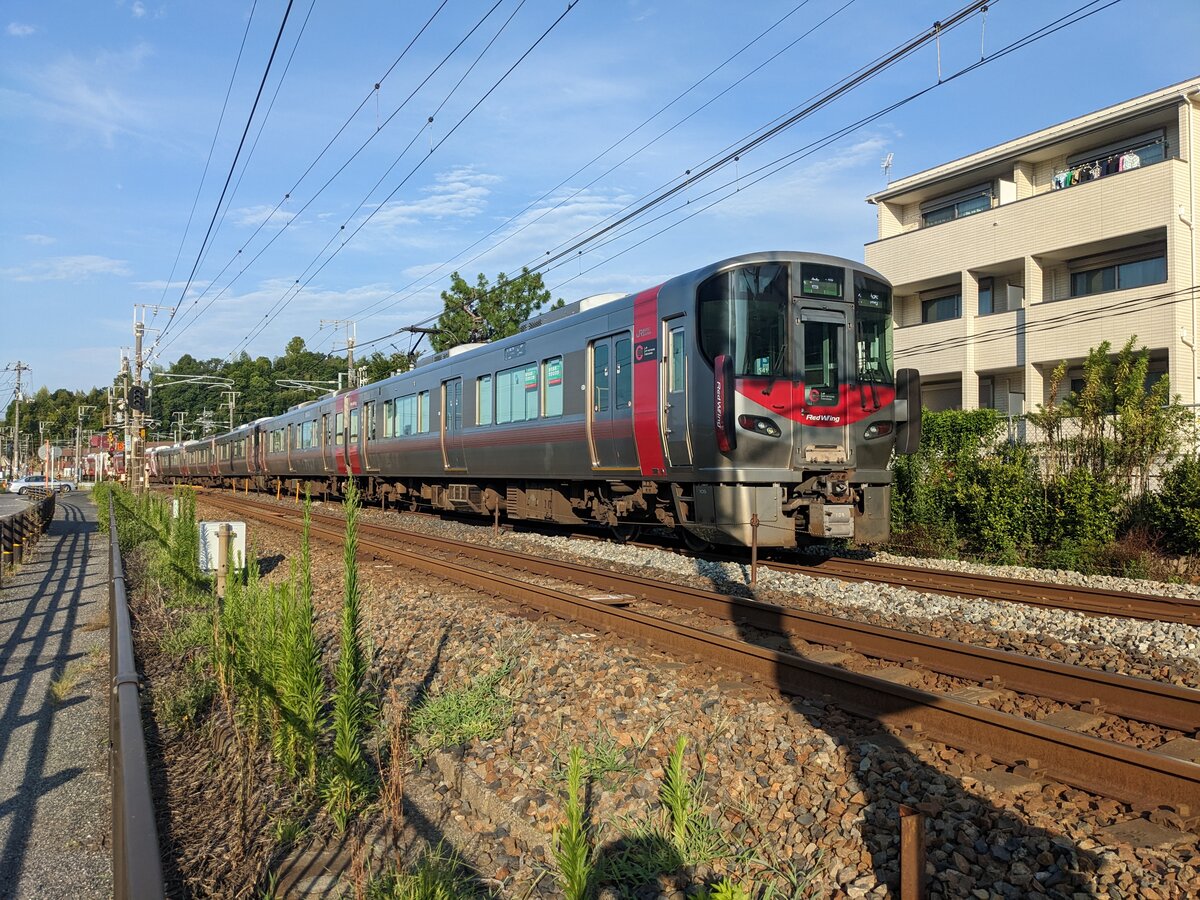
(1091,601)
(603,599)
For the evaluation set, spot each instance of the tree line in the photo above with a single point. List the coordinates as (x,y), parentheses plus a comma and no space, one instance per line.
(480,311)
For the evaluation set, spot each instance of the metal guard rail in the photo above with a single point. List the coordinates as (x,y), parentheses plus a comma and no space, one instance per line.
(20,531)
(137,865)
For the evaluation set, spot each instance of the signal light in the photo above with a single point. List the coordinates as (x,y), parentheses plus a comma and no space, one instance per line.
(877,429)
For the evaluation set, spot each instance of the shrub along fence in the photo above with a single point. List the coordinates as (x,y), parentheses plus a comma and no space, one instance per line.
(1078,495)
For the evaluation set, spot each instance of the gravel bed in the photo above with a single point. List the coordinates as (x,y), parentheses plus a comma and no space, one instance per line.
(1162,651)
(799,787)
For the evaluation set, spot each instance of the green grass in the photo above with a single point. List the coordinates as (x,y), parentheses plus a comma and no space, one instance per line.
(477,711)
(438,875)
(606,762)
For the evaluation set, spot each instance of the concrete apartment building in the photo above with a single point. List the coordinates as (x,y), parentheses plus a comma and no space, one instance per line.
(1012,259)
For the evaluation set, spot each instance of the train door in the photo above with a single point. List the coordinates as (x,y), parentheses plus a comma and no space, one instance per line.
(675,394)
(611,419)
(326,443)
(452,424)
(823,430)
(368,435)
(354,464)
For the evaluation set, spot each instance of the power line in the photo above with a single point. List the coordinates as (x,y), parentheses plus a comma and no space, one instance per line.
(769,169)
(375,308)
(208,161)
(233,165)
(308,280)
(344,165)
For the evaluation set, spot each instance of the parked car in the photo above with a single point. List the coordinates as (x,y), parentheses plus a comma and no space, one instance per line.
(39,483)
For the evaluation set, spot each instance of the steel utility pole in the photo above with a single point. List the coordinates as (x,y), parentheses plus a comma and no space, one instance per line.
(17,367)
(231,401)
(351,333)
(138,396)
(79,440)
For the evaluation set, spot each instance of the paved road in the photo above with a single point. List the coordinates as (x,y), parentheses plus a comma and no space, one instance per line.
(54,787)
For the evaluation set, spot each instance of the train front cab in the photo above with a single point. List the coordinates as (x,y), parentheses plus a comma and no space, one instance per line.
(795,424)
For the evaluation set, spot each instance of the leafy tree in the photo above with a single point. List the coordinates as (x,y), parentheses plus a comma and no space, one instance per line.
(483,312)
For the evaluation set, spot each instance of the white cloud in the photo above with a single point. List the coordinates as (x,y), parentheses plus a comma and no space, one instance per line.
(138,9)
(254,216)
(460,193)
(41,240)
(67,268)
(16,29)
(82,94)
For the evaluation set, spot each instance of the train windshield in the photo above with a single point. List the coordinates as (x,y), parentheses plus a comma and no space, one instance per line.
(873,331)
(744,315)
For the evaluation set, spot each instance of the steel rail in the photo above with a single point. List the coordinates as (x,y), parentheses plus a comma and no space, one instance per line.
(136,860)
(1091,601)
(1154,702)
(1139,777)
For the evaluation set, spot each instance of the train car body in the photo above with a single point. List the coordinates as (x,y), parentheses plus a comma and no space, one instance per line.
(751,401)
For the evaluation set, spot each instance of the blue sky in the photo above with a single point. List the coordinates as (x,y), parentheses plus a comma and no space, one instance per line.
(108,110)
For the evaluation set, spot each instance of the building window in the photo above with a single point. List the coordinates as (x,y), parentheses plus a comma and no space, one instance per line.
(1136,268)
(985,298)
(957,206)
(941,309)
(987,393)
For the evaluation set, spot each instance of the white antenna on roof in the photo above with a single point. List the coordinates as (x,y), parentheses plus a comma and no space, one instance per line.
(886,165)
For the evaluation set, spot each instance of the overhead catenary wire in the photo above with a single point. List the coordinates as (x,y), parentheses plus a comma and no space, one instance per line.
(204,174)
(1074,17)
(344,164)
(382,304)
(420,163)
(233,165)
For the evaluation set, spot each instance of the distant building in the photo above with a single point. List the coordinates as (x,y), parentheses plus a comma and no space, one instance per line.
(1012,259)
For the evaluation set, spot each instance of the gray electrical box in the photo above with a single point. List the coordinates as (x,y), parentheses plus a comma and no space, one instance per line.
(209,533)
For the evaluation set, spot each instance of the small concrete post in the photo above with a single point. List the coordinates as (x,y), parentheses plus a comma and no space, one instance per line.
(223,534)
(754,548)
(912,854)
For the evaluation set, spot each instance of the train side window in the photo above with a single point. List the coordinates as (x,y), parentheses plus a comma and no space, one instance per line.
(389,418)
(423,424)
(600,377)
(354,425)
(339,427)
(369,417)
(624,395)
(483,400)
(677,371)
(406,415)
(517,395)
(452,404)
(552,377)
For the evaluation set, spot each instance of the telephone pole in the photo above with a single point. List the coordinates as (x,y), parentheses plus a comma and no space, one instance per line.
(17,367)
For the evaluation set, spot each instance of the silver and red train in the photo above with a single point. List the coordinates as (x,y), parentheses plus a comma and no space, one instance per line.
(750,400)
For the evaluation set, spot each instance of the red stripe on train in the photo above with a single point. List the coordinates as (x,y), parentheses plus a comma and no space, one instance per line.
(646,406)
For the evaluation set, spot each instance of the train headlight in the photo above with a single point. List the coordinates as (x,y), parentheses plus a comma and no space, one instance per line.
(760,425)
(877,429)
